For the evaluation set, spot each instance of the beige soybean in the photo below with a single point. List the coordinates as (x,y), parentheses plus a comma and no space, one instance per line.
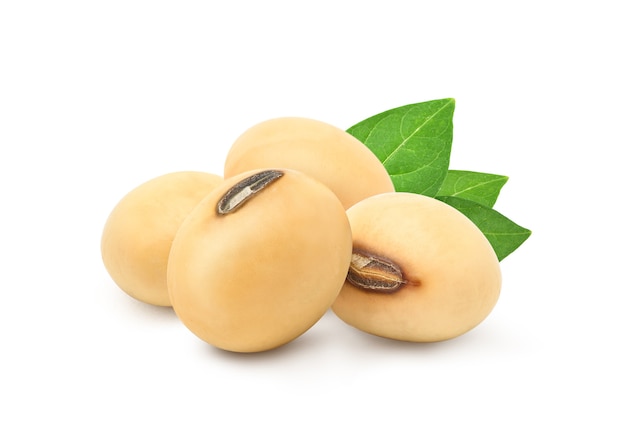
(323,151)
(138,232)
(421,271)
(260,260)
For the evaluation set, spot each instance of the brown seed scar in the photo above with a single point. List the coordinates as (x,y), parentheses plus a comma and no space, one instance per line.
(245,189)
(374,273)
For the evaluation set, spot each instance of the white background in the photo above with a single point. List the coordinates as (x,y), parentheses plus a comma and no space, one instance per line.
(98,97)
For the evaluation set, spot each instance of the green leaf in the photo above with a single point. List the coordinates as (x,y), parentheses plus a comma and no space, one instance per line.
(504,235)
(413,142)
(483,188)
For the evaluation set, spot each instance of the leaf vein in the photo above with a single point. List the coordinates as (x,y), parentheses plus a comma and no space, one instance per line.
(417,129)
(470,188)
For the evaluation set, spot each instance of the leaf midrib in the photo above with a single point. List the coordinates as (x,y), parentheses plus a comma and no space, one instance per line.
(469,188)
(417,129)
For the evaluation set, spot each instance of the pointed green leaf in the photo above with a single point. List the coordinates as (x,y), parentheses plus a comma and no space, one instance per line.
(483,188)
(413,142)
(504,235)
